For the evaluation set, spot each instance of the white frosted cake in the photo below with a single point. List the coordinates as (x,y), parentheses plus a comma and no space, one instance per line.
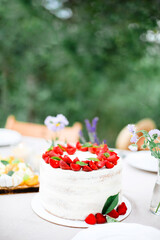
(77,181)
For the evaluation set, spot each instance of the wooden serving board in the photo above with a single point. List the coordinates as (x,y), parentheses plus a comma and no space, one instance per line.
(19,189)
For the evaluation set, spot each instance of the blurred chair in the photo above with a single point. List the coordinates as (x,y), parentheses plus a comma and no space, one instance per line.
(69,134)
(123,138)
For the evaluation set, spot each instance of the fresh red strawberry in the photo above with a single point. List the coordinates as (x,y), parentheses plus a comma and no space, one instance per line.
(46,158)
(100,218)
(64,165)
(67,159)
(86,161)
(58,150)
(100,164)
(75,167)
(86,168)
(109,164)
(93,165)
(70,150)
(92,150)
(122,209)
(84,149)
(78,145)
(54,163)
(101,156)
(53,154)
(80,148)
(90,219)
(113,158)
(113,214)
(76,160)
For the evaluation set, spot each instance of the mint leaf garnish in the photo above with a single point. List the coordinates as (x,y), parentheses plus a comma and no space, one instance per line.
(106,154)
(56,158)
(61,147)
(94,159)
(4,162)
(110,219)
(87,145)
(10,173)
(110,204)
(81,163)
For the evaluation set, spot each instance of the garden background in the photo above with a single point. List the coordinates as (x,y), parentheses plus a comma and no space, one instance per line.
(82,59)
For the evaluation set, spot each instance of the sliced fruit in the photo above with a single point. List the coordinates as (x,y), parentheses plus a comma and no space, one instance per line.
(100,164)
(64,165)
(109,164)
(75,167)
(32,181)
(54,163)
(67,159)
(93,165)
(86,168)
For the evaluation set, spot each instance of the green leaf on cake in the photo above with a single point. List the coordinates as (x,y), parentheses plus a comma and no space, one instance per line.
(93,159)
(61,147)
(56,158)
(110,204)
(10,173)
(4,162)
(106,154)
(110,219)
(87,145)
(81,163)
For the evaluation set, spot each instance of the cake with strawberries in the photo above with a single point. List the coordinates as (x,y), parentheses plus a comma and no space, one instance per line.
(76,181)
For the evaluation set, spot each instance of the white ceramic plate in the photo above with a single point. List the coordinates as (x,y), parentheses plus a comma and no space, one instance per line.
(9,137)
(119,231)
(143,160)
(41,212)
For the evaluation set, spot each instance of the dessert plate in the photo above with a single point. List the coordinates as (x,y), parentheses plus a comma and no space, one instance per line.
(143,160)
(9,137)
(119,231)
(41,212)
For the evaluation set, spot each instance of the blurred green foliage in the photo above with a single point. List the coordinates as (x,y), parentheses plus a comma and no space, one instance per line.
(98,62)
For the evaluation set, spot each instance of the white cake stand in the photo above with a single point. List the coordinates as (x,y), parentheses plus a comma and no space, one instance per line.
(37,207)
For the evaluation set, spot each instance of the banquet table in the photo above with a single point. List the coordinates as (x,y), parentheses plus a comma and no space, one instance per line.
(18,221)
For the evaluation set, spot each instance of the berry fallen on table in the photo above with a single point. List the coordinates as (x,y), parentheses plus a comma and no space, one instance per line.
(113,214)
(100,218)
(122,209)
(90,219)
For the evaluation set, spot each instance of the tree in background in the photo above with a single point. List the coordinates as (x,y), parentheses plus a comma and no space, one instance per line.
(81,59)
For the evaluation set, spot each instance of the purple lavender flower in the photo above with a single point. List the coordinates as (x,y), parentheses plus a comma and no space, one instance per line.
(132,128)
(154,132)
(88,126)
(56,123)
(134,138)
(82,136)
(94,123)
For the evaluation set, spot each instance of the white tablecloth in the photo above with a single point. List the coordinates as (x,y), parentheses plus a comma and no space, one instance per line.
(19,222)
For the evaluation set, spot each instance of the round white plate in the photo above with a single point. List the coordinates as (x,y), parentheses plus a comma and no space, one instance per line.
(9,137)
(41,212)
(143,160)
(119,231)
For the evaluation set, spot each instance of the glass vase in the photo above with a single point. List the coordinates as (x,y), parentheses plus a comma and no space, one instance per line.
(155,202)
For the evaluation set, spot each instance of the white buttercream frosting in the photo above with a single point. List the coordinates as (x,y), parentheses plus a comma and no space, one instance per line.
(74,195)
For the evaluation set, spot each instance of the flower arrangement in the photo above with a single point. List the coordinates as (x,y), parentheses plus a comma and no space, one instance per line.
(56,124)
(152,141)
(91,131)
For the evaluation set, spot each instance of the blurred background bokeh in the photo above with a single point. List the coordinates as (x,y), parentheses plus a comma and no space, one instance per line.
(82,59)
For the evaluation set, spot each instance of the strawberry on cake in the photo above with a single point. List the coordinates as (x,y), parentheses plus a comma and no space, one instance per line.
(76,181)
